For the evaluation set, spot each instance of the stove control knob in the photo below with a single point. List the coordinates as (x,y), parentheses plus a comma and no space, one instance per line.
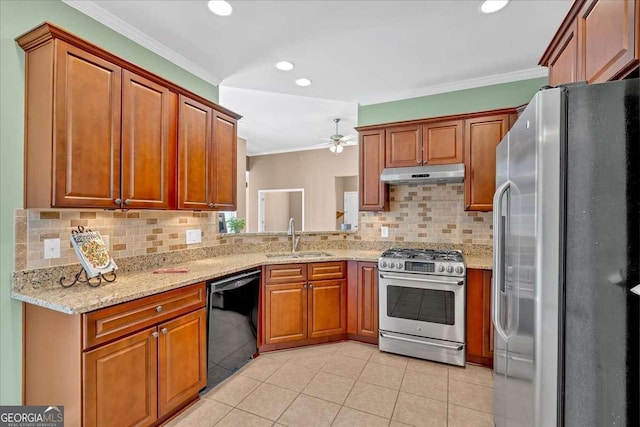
(399,266)
(450,269)
(392,265)
(459,269)
(383,264)
(441,268)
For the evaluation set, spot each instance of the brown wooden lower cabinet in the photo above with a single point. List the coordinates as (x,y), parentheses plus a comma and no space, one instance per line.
(121,382)
(363,301)
(479,326)
(302,312)
(140,376)
(285,313)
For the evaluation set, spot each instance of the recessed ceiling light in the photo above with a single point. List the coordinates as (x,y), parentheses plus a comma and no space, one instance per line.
(492,6)
(285,66)
(220,7)
(303,82)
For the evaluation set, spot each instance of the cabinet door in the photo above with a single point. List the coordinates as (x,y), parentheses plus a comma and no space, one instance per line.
(563,61)
(327,308)
(148,143)
(120,382)
(442,143)
(403,146)
(374,195)
(182,360)
(86,136)
(479,326)
(607,35)
(368,299)
(482,136)
(225,148)
(285,313)
(194,155)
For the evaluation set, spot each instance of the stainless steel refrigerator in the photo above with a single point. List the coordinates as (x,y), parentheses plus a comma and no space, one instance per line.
(566,258)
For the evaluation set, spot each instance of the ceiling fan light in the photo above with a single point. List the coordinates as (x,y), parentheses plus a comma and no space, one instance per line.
(332,148)
(220,7)
(339,149)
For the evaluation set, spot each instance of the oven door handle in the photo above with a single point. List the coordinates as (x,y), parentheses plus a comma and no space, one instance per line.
(448,347)
(417,279)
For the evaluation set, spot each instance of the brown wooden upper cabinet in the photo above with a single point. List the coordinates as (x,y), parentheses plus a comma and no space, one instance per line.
(599,40)
(374,195)
(437,143)
(482,135)
(403,146)
(442,143)
(101,132)
(148,143)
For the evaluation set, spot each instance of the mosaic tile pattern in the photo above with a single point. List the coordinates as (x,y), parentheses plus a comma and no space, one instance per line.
(428,213)
(419,215)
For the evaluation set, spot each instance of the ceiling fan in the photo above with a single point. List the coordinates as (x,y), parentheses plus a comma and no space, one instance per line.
(338,141)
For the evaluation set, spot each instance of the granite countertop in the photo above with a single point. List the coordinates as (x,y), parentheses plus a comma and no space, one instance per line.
(129,286)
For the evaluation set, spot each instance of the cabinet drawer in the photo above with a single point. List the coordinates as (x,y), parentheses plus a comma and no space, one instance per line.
(285,273)
(327,270)
(110,323)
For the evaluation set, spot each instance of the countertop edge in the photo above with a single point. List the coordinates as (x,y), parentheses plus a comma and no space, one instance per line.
(86,301)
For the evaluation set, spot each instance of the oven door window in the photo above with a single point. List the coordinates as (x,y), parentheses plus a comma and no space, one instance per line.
(426,305)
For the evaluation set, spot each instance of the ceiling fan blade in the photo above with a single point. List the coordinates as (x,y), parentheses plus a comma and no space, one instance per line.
(347,138)
(326,139)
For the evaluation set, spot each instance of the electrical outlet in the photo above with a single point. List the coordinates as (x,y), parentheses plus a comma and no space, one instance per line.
(51,248)
(384,231)
(194,236)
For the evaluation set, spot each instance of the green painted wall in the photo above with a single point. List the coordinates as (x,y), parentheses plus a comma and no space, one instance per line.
(17,17)
(463,101)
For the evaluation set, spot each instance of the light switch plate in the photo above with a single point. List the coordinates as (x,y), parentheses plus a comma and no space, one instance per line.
(194,236)
(51,248)
(384,231)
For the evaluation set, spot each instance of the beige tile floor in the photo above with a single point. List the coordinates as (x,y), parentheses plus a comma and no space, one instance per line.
(346,384)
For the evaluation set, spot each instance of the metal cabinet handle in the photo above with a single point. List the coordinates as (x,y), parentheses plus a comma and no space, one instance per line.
(164,331)
(155,334)
(304,286)
(118,201)
(127,202)
(211,205)
(310,285)
(159,308)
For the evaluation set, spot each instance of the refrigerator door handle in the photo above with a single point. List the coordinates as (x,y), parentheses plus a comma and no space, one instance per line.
(498,250)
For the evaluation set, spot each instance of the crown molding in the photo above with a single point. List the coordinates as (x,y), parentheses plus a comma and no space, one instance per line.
(494,79)
(108,19)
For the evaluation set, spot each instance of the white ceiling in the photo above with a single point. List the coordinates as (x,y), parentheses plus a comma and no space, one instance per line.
(353,51)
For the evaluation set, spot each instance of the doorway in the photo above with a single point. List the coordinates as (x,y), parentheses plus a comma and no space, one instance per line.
(276,207)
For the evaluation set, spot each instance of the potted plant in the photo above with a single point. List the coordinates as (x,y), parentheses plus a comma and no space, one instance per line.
(236,225)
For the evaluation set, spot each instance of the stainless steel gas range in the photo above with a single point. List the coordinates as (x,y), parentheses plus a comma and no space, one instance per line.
(422,296)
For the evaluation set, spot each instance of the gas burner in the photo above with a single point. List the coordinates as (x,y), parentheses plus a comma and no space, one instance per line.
(439,262)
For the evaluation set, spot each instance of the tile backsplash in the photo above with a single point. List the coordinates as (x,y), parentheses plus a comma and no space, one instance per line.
(129,233)
(418,213)
(428,213)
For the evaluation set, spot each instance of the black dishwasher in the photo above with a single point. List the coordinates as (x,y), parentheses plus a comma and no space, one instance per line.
(232,304)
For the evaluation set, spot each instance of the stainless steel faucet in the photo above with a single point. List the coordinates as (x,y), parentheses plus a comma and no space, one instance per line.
(292,233)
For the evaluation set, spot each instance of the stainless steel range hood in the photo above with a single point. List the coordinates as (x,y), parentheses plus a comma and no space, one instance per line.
(439,174)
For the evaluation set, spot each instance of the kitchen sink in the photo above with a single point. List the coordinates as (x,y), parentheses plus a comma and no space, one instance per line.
(300,255)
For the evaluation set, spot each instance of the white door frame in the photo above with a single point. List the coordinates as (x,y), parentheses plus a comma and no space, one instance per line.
(276,190)
(354,198)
